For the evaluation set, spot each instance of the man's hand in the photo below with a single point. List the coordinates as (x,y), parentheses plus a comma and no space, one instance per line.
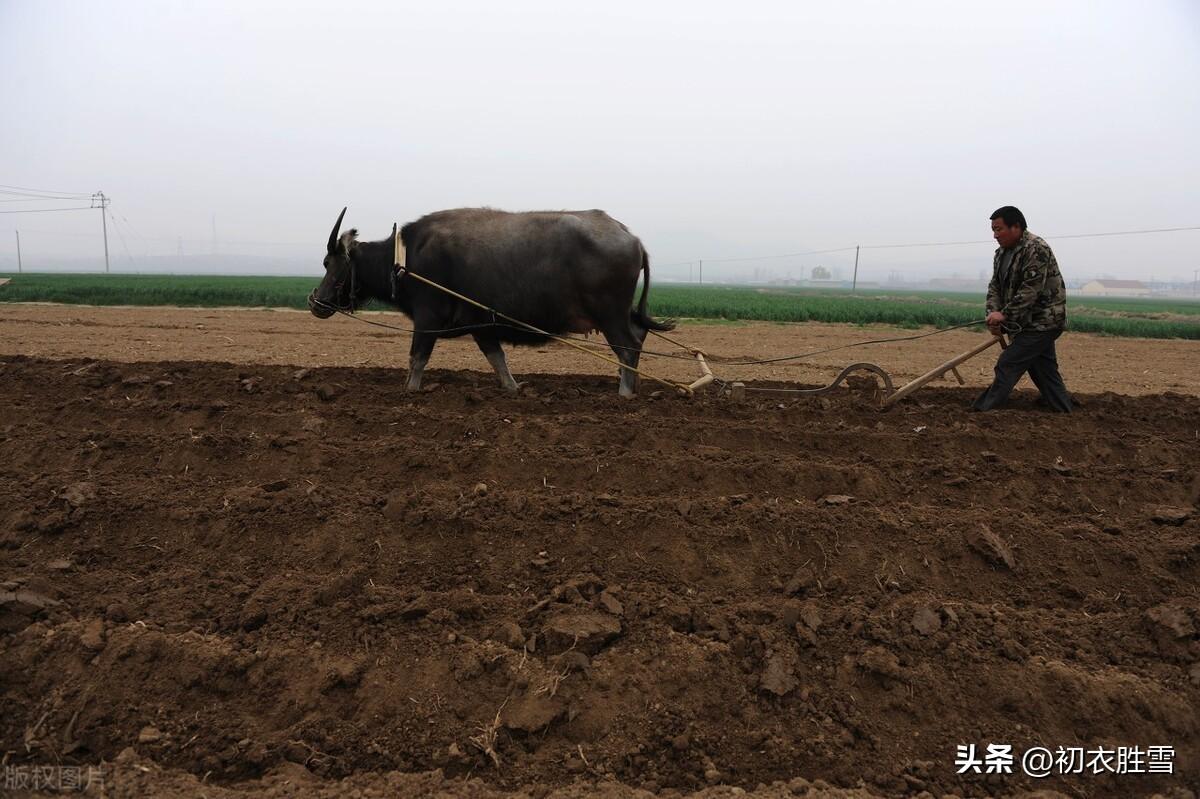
(994,321)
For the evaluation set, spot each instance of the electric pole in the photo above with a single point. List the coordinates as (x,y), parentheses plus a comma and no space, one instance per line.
(854,284)
(18,251)
(103,201)
(701,262)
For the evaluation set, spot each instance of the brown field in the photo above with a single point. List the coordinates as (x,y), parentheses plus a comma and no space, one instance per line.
(1090,364)
(236,559)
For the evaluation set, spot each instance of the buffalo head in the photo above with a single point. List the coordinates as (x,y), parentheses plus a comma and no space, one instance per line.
(337,290)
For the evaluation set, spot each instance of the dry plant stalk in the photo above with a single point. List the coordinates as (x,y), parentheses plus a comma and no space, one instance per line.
(486,739)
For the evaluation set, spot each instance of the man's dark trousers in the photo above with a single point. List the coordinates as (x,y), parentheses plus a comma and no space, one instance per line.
(1033,352)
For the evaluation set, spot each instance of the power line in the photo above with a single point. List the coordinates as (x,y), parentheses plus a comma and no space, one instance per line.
(57,233)
(784,255)
(44,191)
(48,210)
(923,244)
(1126,232)
(120,235)
(24,193)
(1063,236)
(32,199)
(907,245)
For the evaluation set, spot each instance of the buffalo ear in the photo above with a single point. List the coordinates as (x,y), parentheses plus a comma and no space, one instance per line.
(333,237)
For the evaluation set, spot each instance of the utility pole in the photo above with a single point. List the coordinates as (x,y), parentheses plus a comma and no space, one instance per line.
(99,197)
(701,262)
(18,252)
(854,284)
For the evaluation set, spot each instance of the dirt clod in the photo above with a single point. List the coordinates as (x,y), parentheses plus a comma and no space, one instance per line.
(93,635)
(149,735)
(1169,515)
(509,633)
(610,604)
(881,661)
(926,621)
(778,677)
(587,631)
(79,494)
(531,713)
(992,547)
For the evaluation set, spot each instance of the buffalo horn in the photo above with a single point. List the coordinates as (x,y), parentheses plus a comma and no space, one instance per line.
(336,227)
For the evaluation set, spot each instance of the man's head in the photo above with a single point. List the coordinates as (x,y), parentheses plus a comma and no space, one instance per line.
(1008,223)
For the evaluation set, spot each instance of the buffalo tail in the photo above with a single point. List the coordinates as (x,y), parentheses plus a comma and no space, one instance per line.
(640,314)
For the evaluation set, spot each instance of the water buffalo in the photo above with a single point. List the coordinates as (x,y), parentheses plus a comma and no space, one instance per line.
(561,271)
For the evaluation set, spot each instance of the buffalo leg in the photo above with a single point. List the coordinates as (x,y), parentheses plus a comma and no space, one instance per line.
(628,350)
(495,354)
(418,356)
(638,331)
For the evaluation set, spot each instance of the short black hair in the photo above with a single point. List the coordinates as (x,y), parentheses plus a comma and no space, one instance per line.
(1011,216)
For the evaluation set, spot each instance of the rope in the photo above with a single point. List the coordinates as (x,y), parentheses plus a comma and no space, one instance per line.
(581,344)
(441,331)
(485,325)
(516,324)
(539,331)
(1009,327)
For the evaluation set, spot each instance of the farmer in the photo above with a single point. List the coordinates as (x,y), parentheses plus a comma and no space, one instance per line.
(1026,297)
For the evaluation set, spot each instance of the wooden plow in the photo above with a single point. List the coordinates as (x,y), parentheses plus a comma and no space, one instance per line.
(888,395)
(933,374)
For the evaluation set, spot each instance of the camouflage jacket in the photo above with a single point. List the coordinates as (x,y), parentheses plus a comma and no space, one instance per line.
(1032,294)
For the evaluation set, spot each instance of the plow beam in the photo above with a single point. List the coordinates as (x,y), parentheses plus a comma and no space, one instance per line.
(933,374)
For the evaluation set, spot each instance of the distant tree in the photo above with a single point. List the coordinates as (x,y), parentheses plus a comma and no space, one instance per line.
(820,273)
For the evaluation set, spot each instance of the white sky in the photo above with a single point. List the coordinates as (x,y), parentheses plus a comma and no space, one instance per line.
(712,130)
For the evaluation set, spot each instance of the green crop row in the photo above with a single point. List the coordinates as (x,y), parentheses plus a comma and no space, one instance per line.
(184,290)
(1148,318)
(910,309)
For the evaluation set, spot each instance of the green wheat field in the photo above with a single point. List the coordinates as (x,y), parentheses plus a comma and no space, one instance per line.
(1147,318)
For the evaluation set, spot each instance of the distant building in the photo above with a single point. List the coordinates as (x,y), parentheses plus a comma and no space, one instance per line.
(1115,288)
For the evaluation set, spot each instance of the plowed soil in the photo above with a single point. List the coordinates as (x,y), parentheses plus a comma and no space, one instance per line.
(286,577)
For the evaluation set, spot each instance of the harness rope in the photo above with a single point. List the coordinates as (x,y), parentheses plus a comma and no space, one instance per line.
(401,270)
(1009,327)
(562,339)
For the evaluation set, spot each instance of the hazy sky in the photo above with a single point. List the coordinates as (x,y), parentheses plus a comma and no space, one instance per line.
(712,130)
